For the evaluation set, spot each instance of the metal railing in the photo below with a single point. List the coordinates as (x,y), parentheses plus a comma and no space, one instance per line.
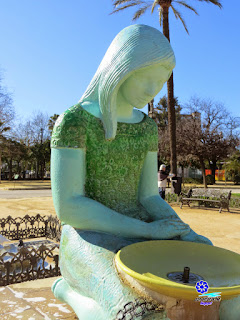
(30,263)
(31,227)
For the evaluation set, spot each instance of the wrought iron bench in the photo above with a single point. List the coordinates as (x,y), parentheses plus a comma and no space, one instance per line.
(206,196)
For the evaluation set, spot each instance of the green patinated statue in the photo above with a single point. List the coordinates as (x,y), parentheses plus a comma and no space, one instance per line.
(104,175)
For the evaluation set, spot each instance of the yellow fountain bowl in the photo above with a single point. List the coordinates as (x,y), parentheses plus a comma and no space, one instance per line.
(149,262)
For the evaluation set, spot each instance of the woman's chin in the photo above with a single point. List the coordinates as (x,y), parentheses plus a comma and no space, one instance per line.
(140,106)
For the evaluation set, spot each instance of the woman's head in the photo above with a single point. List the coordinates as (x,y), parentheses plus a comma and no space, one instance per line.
(144,84)
(162,167)
(134,54)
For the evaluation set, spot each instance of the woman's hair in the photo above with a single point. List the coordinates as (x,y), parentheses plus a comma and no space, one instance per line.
(135,47)
(162,166)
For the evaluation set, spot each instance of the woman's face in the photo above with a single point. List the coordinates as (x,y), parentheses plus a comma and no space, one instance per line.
(143,85)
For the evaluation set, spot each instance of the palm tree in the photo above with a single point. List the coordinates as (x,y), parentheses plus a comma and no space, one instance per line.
(163,10)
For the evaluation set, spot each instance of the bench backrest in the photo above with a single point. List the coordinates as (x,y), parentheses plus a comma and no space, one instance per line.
(211,193)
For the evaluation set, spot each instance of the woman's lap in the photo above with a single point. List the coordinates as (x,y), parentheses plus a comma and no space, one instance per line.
(87,264)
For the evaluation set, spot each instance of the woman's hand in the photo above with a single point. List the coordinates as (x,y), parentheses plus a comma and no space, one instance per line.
(167,229)
(194,237)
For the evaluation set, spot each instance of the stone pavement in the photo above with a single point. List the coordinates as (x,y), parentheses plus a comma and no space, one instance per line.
(18,194)
(32,300)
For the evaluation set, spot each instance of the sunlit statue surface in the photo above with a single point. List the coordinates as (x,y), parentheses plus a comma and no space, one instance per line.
(104,175)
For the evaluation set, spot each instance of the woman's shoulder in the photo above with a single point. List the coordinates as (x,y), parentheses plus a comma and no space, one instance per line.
(71,117)
(70,128)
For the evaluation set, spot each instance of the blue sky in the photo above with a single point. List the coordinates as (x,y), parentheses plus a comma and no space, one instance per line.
(50,50)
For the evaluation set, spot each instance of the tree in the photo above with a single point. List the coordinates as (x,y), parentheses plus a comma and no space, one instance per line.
(6,117)
(41,152)
(160,112)
(51,122)
(232,167)
(13,152)
(164,6)
(40,137)
(36,136)
(160,116)
(203,134)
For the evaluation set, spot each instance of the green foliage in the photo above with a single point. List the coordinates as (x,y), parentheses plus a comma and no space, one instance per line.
(232,167)
(120,5)
(29,147)
(236,179)
(236,195)
(171,197)
(234,202)
(160,112)
(193,180)
(210,179)
(51,122)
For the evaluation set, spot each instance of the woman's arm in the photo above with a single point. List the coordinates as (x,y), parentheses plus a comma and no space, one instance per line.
(156,206)
(149,194)
(72,207)
(68,178)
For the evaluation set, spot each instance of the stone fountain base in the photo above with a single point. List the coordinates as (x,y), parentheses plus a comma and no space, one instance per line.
(177,309)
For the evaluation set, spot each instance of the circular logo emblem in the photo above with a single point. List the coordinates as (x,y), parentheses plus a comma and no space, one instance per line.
(202,286)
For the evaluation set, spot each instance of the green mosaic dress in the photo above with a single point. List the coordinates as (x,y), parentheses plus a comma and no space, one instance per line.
(113,168)
(112,178)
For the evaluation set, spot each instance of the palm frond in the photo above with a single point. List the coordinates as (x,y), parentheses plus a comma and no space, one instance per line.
(132,4)
(120,2)
(140,12)
(154,6)
(216,2)
(186,5)
(179,16)
(160,12)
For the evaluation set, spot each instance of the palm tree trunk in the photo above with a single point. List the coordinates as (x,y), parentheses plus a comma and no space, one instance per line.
(150,108)
(171,107)
(172,125)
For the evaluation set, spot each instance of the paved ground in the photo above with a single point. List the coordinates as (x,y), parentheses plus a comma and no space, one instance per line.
(18,194)
(33,300)
(30,206)
(25,184)
(222,228)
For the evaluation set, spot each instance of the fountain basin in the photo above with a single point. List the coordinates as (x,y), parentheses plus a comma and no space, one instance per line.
(150,263)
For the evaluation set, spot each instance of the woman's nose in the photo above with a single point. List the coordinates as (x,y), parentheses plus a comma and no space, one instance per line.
(152,90)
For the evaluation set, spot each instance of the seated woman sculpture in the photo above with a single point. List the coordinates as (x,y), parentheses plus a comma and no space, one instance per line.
(104,175)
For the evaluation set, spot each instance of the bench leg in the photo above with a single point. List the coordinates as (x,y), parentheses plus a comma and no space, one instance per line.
(220,209)
(181,205)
